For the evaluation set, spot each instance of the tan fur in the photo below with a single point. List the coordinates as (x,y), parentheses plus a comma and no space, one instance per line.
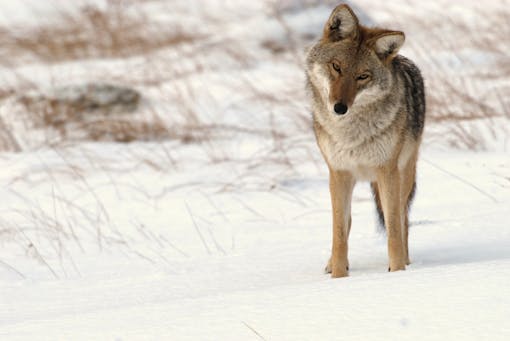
(372,140)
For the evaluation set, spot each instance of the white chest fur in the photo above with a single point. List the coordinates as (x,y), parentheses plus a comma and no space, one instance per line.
(358,142)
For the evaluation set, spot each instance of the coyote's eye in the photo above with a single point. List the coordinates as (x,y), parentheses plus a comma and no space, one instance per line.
(363,76)
(336,67)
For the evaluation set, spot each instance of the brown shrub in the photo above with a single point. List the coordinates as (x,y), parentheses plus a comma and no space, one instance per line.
(93,32)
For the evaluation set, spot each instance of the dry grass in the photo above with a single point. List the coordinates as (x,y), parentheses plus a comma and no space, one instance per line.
(117,30)
(84,118)
(465,64)
(120,29)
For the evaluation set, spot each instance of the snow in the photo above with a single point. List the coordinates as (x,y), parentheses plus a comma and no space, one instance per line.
(261,266)
(396,306)
(227,238)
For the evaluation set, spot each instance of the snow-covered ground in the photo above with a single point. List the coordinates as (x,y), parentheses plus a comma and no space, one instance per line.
(218,266)
(225,235)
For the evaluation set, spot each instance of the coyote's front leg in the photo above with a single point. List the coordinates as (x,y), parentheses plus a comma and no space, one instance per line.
(341,184)
(388,181)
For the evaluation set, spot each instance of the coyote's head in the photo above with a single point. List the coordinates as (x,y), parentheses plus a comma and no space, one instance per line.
(350,66)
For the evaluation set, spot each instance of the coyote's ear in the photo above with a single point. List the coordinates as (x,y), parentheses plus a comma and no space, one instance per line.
(342,23)
(388,43)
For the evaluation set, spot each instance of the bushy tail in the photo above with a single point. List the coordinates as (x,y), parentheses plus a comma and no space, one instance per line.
(378,206)
(377,199)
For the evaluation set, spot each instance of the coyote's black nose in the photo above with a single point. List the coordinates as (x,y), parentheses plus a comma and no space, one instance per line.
(340,108)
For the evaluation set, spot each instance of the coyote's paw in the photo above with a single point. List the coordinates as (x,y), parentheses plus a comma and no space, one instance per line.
(396,267)
(327,269)
(336,271)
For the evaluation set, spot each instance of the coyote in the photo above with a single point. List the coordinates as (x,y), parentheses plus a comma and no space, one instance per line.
(368,107)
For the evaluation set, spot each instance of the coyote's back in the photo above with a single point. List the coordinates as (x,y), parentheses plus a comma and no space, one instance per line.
(369,110)
(414,93)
